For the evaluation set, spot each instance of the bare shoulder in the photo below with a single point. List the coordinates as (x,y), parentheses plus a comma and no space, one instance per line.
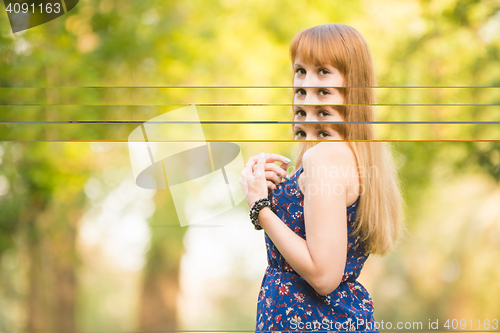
(329,153)
(327,165)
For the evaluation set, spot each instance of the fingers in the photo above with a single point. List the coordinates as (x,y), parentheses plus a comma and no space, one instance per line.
(273,177)
(271,158)
(285,162)
(252,162)
(271,167)
(272,171)
(284,166)
(248,170)
(259,171)
(271,186)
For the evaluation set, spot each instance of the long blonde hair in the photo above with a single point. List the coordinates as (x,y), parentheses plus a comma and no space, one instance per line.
(379,214)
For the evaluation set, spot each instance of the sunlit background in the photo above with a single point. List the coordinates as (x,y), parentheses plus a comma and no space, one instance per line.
(83,248)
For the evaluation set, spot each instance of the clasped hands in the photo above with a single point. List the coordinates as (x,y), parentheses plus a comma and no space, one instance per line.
(261,175)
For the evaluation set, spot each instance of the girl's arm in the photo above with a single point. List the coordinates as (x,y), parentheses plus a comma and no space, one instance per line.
(320,259)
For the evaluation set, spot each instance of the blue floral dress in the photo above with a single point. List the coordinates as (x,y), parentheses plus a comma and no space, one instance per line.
(288,302)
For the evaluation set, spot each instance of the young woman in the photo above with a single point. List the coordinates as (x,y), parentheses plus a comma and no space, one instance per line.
(344,194)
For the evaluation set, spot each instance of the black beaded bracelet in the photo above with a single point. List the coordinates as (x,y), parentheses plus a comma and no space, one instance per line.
(256,208)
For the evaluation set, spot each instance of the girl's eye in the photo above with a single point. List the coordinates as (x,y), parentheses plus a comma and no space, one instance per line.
(301,92)
(323,92)
(324,113)
(300,134)
(323,134)
(323,71)
(300,71)
(300,113)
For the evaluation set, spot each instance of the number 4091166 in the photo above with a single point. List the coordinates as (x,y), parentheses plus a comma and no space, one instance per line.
(32,8)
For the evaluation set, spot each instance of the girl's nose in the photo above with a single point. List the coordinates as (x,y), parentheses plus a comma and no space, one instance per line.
(311,97)
(310,80)
(310,117)
(310,137)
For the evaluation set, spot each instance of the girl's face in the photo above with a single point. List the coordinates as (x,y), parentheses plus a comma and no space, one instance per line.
(314,85)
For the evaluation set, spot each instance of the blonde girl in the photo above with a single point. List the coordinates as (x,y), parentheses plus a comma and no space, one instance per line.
(344,193)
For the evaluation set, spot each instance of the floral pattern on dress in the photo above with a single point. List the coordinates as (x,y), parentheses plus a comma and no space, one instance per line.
(287,301)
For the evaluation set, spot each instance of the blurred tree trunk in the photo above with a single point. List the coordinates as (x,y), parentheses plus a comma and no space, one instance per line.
(51,247)
(36,303)
(61,249)
(158,302)
(159,294)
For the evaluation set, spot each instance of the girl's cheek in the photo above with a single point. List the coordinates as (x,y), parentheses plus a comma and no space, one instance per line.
(297,82)
(297,99)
